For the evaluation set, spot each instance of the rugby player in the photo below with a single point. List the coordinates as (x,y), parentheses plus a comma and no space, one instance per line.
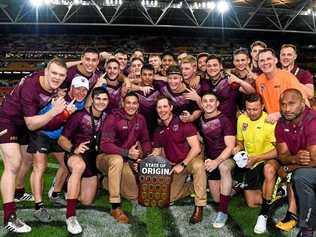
(219,139)
(288,55)
(80,139)
(124,140)
(19,113)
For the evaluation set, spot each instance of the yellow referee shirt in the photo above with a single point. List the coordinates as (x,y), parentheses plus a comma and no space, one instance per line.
(257,136)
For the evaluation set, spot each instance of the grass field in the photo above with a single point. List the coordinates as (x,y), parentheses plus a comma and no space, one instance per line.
(152,222)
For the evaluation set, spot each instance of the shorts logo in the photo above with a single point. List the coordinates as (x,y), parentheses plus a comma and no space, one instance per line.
(3,132)
(244,126)
(286,130)
(13,138)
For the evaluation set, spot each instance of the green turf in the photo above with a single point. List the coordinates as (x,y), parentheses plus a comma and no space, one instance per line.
(152,222)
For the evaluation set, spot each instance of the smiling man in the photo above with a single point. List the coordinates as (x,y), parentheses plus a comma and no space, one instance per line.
(272,82)
(19,112)
(296,145)
(288,55)
(124,140)
(88,68)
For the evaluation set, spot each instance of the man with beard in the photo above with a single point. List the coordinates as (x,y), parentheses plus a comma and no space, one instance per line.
(256,47)
(80,139)
(256,136)
(272,82)
(296,146)
(288,55)
(88,68)
(218,134)
(124,140)
(19,113)
(182,148)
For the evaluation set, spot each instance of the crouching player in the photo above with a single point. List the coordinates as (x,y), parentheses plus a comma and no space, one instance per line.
(80,140)
(182,148)
(256,136)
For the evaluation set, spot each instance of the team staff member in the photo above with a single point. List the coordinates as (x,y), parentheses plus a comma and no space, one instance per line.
(182,148)
(272,82)
(219,138)
(288,55)
(124,138)
(296,146)
(20,108)
(256,137)
(80,139)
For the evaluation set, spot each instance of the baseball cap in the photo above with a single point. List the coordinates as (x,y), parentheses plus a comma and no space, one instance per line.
(174,69)
(80,81)
(241,159)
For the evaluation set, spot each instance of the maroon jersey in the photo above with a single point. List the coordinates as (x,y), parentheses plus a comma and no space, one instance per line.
(304,76)
(115,96)
(226,95)
(119,133)
(213,131)
(297,136)
(173,138)
(179,102)
(73,71)
(25,100)
(147,107)
(79,128)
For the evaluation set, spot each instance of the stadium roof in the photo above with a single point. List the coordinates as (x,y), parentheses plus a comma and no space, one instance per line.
(288,16)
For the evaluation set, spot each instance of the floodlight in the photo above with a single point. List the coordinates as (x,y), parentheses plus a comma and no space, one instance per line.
(222,6)
(37,3)
(211,5)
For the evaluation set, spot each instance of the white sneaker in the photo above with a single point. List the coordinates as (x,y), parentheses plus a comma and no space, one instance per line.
(220,220)
(73,225)
(261,225)
(16,225)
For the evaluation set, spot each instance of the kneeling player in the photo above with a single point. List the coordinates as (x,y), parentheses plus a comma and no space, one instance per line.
(219,139)
(182,148)
(80,140)
(256,136)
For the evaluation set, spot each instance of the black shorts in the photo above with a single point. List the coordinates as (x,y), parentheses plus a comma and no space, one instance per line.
(252,178)
(89,159)
(43,144)
(213,175)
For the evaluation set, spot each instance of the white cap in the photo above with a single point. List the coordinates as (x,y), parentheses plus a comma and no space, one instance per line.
(241,159)
(80,81)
